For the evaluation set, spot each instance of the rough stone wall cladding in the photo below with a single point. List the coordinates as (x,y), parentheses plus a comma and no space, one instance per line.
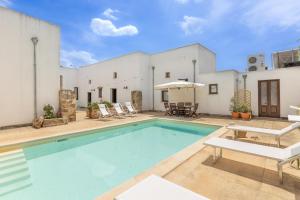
(67,103)
(136,99)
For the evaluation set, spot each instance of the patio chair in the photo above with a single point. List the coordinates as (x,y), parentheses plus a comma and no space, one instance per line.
(188,104)
(130,108)
(194,111)
(157,188)
(272,132)
(167,108)
(119,111)
(282,156)
(173,109)
(181,108)
(103,111)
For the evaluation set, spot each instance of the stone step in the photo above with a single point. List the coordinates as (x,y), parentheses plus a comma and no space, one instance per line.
(11,153)
(13,170)
(13,178)
(11,157)
(14,162)
(21,184)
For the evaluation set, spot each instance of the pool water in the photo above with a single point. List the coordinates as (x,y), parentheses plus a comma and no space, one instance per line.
(84,167)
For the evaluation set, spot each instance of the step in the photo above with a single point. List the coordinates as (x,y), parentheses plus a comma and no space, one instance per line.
(14,178)
(14,187)
(9,153)
(11,157)
(12,170)
(11,163)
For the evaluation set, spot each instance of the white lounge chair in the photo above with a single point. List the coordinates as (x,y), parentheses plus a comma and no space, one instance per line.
(130,108)
(294,118)
(156,188)
(119,110)
(103,111)
(282,156)
(273,132)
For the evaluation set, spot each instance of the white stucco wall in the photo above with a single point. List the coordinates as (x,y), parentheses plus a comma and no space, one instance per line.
(16,63)
(70,79)
(217,103)
(179,63)
(131,70)
(289,87)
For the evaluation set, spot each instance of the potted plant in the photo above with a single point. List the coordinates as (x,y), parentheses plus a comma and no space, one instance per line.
(234,108)
(48,112)
(93,110)
(245,112)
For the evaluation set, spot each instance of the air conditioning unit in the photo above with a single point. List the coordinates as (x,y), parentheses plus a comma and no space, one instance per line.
(256,63)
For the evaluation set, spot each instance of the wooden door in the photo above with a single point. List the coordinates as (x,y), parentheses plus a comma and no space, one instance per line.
(269,98)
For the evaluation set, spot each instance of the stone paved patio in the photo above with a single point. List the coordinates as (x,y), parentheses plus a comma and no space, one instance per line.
(235,176)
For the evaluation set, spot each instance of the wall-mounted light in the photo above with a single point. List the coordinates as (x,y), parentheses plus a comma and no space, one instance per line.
(125,87)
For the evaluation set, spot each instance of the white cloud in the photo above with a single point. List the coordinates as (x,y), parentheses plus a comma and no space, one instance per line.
(104,27)
(192,24)
(76,58)
(5,3)
(265,14)
(109,13)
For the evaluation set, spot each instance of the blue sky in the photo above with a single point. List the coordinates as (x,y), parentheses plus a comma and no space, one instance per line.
(93,30)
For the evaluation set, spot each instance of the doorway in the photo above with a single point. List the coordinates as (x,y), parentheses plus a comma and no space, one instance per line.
(113,95)
(89,98)
(269,98)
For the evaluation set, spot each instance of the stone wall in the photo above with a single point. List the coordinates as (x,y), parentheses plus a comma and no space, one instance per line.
(67,104)
(136,99)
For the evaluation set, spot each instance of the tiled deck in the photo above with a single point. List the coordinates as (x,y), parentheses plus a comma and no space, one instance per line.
(235,176)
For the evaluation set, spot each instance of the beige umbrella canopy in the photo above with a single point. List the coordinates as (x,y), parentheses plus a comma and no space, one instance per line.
(178,84)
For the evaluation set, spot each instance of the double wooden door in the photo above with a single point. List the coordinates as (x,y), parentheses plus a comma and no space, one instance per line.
(269,98)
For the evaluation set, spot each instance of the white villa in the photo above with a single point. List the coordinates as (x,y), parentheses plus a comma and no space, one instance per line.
(113,80)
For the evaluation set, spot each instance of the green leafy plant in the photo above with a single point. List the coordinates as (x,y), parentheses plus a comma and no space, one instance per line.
(234,105)
(48,112)
(108,104)
(245,108)
(93,106)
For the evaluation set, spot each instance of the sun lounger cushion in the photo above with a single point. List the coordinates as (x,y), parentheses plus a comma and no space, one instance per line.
(156,188)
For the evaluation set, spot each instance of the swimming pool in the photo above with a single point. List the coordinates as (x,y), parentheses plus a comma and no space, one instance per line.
(84,167)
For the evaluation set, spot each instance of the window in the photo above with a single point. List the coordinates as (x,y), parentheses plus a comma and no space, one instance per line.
(76,92)
(164,96)
(115,75)
(100,92)
(213,88)
(167,75)
(90,82)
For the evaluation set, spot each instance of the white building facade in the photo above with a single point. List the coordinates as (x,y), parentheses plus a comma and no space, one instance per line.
(272,91)
(17,71)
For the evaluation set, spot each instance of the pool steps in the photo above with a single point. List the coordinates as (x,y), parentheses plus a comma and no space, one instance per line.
(14,172)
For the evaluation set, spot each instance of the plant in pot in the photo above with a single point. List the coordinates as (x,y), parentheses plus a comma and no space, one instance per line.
(93,110)
(234,108)
(245,112)
(48,112)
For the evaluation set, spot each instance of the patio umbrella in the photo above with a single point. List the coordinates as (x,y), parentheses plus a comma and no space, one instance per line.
(178,84)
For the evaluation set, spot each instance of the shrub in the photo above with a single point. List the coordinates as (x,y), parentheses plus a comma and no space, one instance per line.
(93,106)
(108,104)
(244,108)
(234,106)
(48,111)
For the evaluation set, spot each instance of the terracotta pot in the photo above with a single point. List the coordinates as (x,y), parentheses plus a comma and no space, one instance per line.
(246,116)
(235,115)
(94,114)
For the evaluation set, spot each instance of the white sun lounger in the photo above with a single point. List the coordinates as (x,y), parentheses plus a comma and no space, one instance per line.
(119,110)
(295,108)
(282,156)
(273,132)
(156,188)
(103,112)
(294,118)
(130,108)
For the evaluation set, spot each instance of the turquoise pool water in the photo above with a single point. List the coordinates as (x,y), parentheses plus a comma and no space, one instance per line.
(84,167)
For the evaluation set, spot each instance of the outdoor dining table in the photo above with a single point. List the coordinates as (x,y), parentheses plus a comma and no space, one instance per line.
(174,108)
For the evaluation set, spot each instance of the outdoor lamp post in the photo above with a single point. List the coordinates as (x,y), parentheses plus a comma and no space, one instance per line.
(153,68)
(194,73)
(34,41)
